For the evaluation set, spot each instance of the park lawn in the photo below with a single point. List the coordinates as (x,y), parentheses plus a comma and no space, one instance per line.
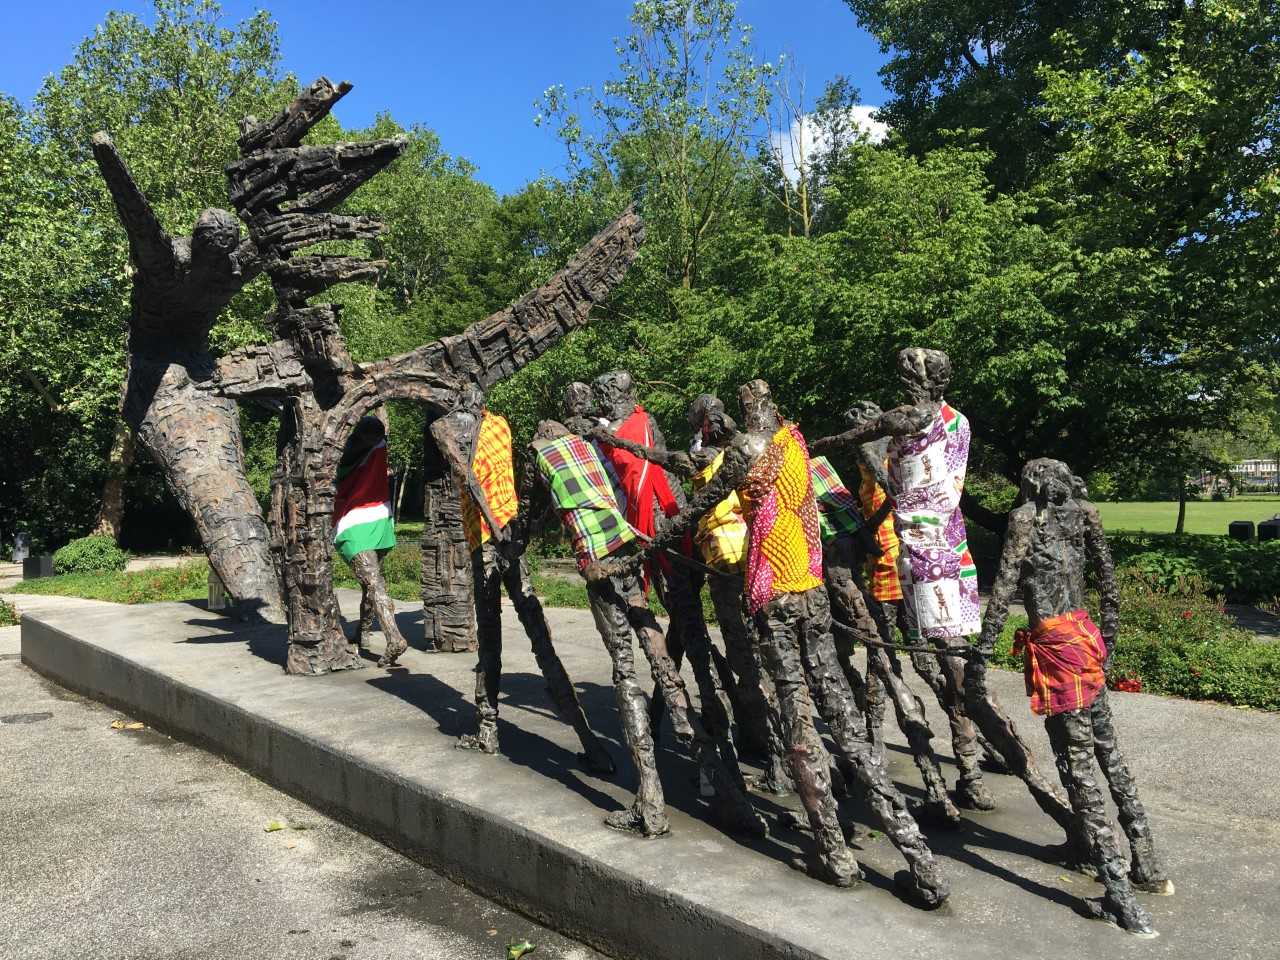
(1203,516)
(187,582)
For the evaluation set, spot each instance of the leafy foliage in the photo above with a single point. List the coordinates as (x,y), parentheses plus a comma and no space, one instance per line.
(1241,571)
(93,554)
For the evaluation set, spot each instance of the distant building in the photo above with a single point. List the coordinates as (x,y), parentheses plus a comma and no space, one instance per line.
(1255,472)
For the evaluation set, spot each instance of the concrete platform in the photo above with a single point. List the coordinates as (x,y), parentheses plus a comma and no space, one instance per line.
(375,748)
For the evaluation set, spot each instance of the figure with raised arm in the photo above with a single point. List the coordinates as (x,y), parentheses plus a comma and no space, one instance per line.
(1050,539)
(767,464)
(568,476)
(928,455)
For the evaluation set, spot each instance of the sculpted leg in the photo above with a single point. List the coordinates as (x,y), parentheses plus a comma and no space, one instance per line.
(486,589)
(734,809)
(835,704)
(647,815)
(367,567)
(1071,734)
(559,686)
(1145,870)
(780,655)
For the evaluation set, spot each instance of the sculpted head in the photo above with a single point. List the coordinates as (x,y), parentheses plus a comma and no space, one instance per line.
(579,401)
(924,373)
(550,430)
(471,399)
(613,393)
(862,412)
(1046,481)
(759,412)
(216,233)
(708,419)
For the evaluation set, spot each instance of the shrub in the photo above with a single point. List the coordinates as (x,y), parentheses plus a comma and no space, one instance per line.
(1242,571)
(8,614)
(93,554)
(1179,641)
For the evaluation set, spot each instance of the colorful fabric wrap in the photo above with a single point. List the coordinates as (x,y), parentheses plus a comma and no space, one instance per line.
(838,510)
(494,468)
(882,571)
(362,508)
(1063,662)
(583,496)
(784,553)
(721,537)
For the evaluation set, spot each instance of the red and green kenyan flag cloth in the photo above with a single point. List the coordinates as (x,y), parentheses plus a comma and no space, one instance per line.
(361,511)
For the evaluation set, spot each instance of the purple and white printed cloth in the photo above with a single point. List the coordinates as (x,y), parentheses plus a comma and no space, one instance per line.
(939,579)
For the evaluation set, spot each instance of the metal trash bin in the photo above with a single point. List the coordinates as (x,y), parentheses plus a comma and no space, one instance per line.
(1240,530)
(40,565)
(1269,529)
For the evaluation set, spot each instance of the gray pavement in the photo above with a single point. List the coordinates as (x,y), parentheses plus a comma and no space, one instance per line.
(129,845)
(378,745)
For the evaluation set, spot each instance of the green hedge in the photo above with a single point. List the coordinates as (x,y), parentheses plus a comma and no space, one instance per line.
(93,554)
(1241,571)
(1180,642)
(8,614)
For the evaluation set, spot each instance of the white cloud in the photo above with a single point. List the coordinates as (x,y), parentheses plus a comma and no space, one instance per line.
(805,139)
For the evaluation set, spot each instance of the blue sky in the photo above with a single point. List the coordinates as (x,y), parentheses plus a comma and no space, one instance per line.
(471,71)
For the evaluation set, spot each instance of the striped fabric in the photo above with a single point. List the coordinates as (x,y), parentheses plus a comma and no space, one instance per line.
(882,571)
(361,508)
(1063,659)
(495,471)
(838,510)
(784,554)
(722,533)
(582,494)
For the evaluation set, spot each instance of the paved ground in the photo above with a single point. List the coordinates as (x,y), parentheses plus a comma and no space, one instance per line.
(1206,773)
(131,846)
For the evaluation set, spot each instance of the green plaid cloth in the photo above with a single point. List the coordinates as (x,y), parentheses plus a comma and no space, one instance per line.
(838,510)
(582,493)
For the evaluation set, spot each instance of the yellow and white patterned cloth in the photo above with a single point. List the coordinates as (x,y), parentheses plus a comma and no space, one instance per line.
(722,534)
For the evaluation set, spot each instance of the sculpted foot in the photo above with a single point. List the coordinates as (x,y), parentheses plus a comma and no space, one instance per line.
(1130,917)
(392,652)
(839,871)
(924,885)
(632,820)
(597,760)
(484,740)
(974,795)
(1162,887)
(940,812)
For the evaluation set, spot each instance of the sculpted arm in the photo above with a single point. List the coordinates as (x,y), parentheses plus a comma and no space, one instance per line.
(674,460)
(1099,553)
(1016,543)
(900,421)
(445,433)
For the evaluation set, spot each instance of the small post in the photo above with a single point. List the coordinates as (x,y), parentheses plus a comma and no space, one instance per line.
(218,599)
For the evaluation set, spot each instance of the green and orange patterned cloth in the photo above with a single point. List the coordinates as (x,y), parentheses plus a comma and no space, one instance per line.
(582,494)
(722,533)
(1063,662)
(838,510)
(882,571)
(495,470)
(784,552)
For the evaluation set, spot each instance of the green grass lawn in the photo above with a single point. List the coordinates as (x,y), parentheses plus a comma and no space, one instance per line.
(187,582)
(1203,516)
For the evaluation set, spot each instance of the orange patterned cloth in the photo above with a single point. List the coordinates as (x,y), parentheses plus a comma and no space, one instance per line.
(495,470)
(1063,661)
(784,553)
(882,571)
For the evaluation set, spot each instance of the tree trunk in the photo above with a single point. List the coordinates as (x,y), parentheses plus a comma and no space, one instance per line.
(195,438)
(123,447)
(1180,527)
(448,608)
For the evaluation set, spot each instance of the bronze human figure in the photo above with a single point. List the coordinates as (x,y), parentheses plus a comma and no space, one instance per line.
(1051,537)
(767,464)
(567,476)
(477,444)
(927,455)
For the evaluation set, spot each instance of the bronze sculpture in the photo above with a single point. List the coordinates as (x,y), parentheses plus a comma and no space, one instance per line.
(768,465)
(283,191)
(1050,539)
(477,445)
(568,475)
(927,455)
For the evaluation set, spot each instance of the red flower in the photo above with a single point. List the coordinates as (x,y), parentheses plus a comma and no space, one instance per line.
(1187,614)
(1128,685)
